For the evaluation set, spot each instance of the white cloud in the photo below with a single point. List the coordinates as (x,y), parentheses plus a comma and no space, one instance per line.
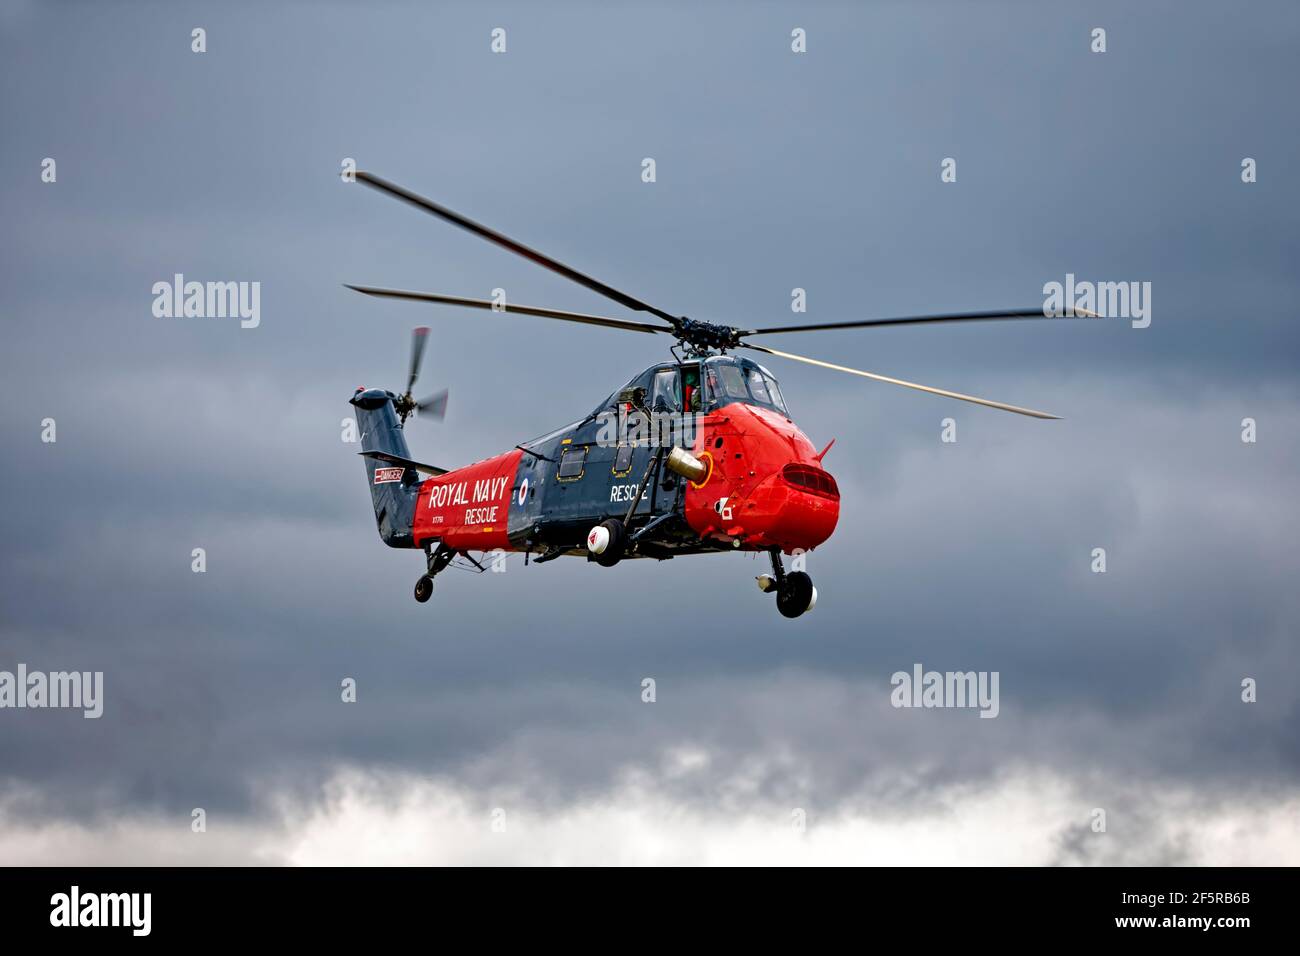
(1030,818)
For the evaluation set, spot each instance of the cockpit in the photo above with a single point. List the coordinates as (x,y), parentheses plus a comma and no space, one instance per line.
(705,385)
(730,378)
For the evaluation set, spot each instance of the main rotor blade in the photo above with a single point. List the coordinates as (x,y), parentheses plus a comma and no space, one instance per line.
(491,306)
(994,316)
(491,235)
(898,381)
(419,339)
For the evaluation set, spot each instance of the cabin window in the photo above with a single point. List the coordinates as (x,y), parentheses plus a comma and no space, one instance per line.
(573,462)
(623,461)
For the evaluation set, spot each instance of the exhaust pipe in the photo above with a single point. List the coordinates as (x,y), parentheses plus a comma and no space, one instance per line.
(687,465)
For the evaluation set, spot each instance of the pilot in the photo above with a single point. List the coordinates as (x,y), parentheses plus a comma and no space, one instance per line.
(691,388)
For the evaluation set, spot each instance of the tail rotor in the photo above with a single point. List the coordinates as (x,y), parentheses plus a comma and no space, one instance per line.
(435,405)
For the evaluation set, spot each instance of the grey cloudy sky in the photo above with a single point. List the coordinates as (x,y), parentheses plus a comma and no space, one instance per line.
(774,170)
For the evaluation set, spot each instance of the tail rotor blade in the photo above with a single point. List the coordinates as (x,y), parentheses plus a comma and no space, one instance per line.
(419,339)
(434,406)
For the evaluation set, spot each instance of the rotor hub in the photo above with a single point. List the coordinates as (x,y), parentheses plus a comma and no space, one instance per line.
(700,338)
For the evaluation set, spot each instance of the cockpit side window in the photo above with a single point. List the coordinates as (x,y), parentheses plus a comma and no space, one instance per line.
(715,395)
(757,387)
(774,397)
(666,395)
(778,399)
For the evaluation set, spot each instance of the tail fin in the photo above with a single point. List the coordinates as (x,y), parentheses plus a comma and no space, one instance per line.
(394,489)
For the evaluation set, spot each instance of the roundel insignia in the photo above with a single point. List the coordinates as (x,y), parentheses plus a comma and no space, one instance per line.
(523,492)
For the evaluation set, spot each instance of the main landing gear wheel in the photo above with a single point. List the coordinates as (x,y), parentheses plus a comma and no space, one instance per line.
(796,594)
(606,542)
(436,560)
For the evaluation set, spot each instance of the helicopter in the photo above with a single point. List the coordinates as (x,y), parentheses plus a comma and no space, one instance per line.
(697,454)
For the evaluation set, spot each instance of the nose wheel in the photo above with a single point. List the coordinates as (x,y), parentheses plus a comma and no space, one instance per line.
(795,594)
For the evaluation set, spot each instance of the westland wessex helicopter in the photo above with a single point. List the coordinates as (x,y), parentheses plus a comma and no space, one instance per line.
(696,455)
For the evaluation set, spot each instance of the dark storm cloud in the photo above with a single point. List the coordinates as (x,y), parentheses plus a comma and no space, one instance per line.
(774,172)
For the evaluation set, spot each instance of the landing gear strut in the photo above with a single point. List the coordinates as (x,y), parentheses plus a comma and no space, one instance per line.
(437,560)
(795,593)
(608,542)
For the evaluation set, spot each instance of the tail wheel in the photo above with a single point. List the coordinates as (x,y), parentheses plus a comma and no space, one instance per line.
(796,594)
(607,542)
(423,588)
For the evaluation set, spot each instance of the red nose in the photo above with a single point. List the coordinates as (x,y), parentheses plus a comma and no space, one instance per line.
(796,508)
(765,486)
